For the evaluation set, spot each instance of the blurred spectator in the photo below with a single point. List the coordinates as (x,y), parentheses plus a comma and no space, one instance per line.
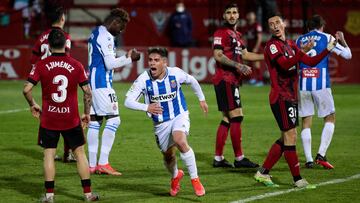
(265,8)
(180,27)
(253,36)
(28,9)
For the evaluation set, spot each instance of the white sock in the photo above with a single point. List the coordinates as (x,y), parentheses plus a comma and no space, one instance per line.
(189,161)
(239,158)
(48,195)
(326,137)
(219,158)
(306,141)
(93,142)
(172,168)
(107,139)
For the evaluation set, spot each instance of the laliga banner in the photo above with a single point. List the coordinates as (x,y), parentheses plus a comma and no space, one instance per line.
(15,64)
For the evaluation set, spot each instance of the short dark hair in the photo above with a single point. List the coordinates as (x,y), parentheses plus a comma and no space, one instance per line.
(56,39)
(117,13)
(231,5)
(273,14)
(315,22)
(54,14)
(162,51)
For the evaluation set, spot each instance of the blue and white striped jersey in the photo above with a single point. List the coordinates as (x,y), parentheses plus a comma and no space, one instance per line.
(167,92)
(100,44)
(318,77)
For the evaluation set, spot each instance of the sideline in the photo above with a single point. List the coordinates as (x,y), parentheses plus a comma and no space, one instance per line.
(12,111)
(272,194)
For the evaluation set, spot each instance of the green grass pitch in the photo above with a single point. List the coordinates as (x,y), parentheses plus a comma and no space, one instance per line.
(145,179)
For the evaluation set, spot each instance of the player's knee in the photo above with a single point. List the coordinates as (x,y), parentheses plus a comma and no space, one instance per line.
(113,123)
(95,125)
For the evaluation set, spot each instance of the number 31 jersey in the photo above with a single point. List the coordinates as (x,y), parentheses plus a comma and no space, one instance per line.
(59,76)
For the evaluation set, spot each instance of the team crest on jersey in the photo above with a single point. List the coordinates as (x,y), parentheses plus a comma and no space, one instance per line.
(173,84)
(273,49)
(114,107)
(217,40)
(149,89)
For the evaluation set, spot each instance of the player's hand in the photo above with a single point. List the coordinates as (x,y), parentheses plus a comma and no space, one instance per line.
(331,44)
(85,119)
(135,55)
(35,110)
(155,109)
(308,46)
(244,69)
(204,107)
(339,36)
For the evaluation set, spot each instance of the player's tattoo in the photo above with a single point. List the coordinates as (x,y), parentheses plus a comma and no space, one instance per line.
(87,98)
(226,61)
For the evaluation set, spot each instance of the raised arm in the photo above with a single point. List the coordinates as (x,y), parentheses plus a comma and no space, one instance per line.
(342,47)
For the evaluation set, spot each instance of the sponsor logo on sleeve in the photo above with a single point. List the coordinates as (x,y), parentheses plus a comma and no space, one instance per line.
(273,49)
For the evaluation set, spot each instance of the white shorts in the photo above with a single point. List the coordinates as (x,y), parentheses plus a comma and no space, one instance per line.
(322,99)
(163,131)
(104,102)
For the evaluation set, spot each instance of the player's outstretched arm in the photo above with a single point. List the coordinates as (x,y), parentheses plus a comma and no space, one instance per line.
(204,107)
(342,47)
(250,56)
(35,109)
(221,58)
(313,61)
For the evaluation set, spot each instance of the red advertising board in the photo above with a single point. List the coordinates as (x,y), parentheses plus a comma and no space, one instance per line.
(15,65)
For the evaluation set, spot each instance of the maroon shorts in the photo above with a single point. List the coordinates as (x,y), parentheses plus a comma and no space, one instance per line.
(286,114)
(73,137)
(227,96)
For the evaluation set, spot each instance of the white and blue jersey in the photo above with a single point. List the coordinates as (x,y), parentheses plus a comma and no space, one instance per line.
(100,44)
(166,91)
(318,77)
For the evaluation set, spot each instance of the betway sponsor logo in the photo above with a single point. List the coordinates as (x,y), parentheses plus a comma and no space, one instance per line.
(163,97)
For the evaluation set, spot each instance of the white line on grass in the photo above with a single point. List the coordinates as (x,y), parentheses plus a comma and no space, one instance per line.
(272,194)
(12,111)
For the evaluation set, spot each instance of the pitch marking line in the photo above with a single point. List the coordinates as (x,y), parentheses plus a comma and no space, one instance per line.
(272,194)
(12,111)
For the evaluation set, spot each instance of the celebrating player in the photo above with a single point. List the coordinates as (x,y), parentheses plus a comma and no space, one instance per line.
(282,57)
(229,50)
(41,50)
(165,104)
(102,62)
(315,89)
(60,75)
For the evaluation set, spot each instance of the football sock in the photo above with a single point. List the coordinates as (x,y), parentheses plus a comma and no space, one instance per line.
(292,160)
(49,186)
(93,142)
(274,155)
(235,132)
(108,138)
(326,137)
(219,158)
(306,141)
(221,136)
(171,166)
(86,185)
(239,158)
(189,161)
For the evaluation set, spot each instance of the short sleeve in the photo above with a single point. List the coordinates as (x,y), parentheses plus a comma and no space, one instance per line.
(273,50)
(34,75)
(83,79)
(219,40)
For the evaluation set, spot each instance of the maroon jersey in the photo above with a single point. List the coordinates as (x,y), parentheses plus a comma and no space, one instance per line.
(284,80)
(41,50)
(251,33)
(59,75)
(230,42)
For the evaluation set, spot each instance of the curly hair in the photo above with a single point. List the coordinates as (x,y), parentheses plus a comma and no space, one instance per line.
(117,13)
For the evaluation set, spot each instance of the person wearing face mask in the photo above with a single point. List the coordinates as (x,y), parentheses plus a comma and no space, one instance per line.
(229,51)
(180,27)
(102,62)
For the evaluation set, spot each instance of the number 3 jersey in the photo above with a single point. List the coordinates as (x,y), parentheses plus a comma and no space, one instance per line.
(318,77)
(59,76)
(41,49)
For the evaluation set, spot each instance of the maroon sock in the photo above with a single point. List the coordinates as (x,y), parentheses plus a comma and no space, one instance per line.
(221,136)
(49,186)
(292,160)
(274,155)
(235,132)
(86,184)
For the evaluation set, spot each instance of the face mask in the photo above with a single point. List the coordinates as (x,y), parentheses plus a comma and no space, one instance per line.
(180,9)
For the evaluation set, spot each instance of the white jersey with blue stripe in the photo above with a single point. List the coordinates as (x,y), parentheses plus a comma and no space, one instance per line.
(100,44)
(167,92)
(318,77)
